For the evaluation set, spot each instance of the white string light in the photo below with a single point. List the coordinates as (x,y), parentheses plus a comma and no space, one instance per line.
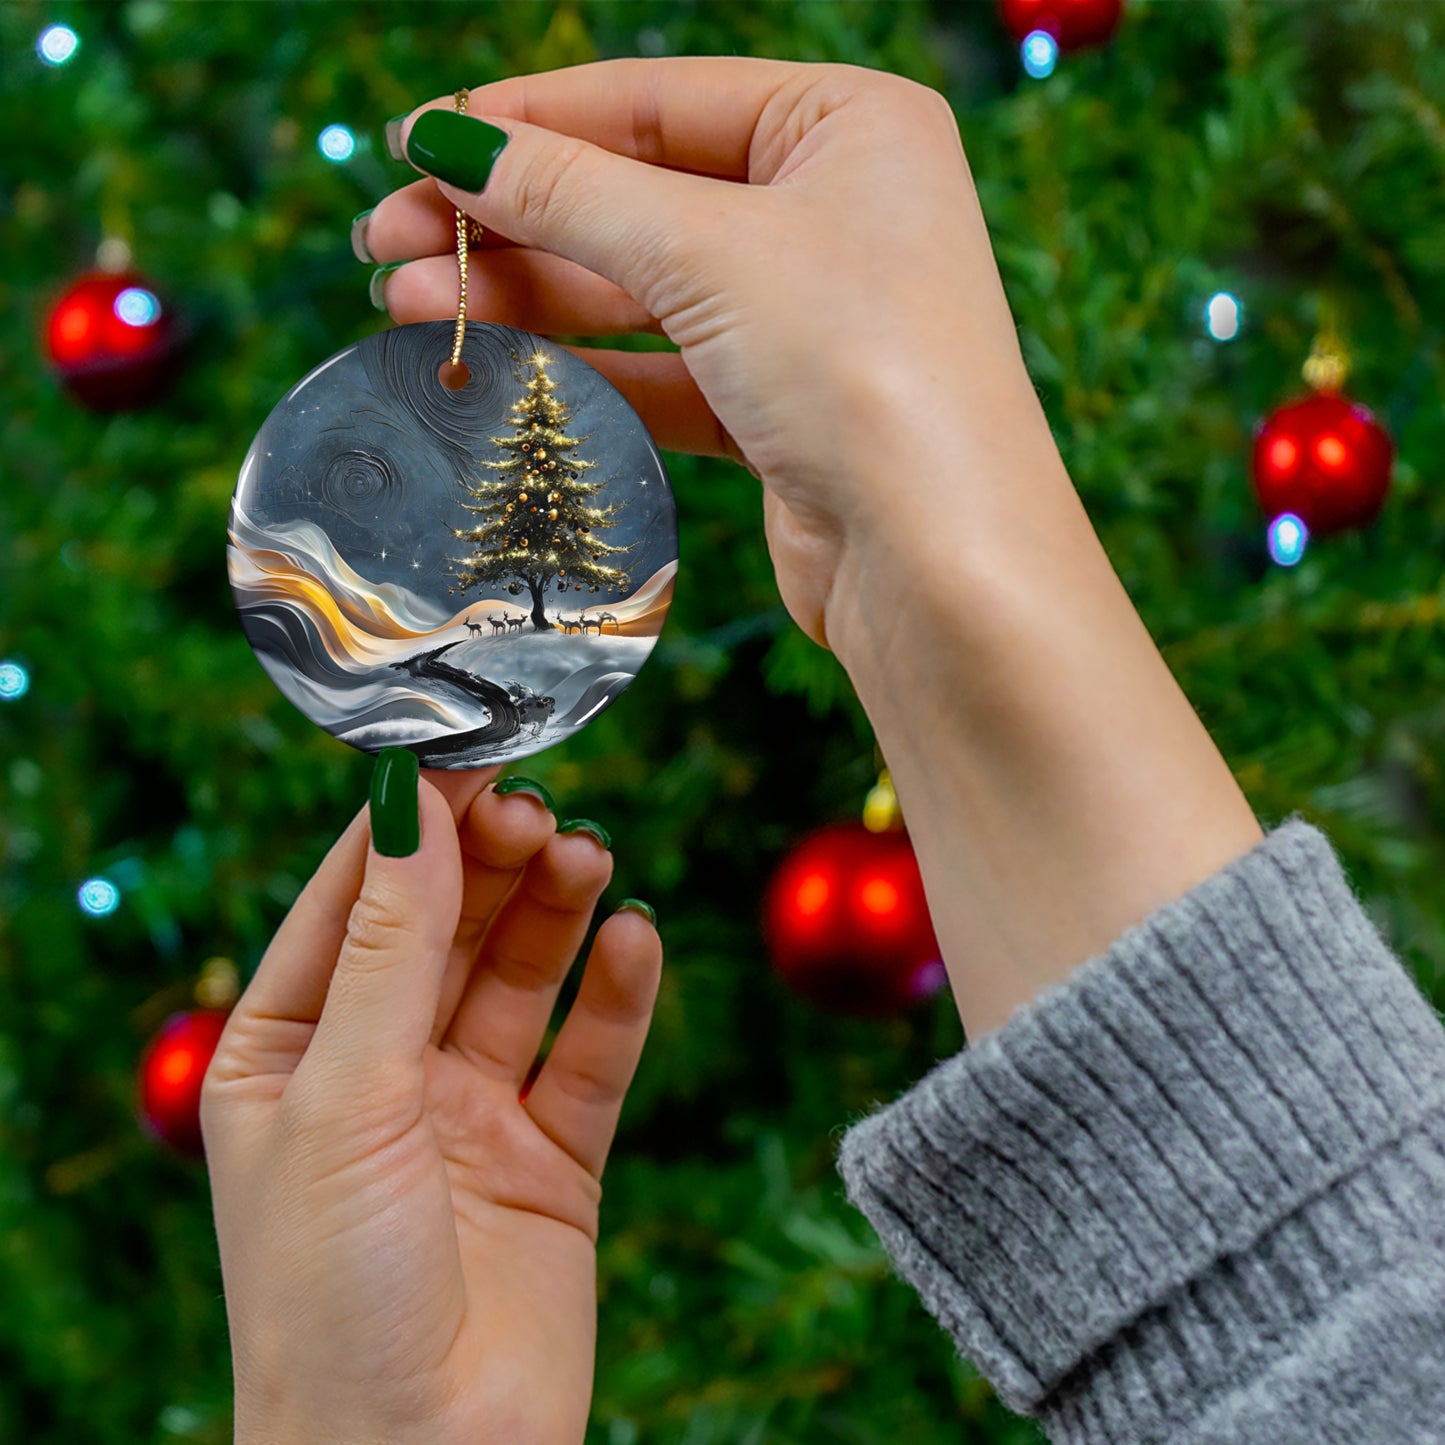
(57,44)
(336,143)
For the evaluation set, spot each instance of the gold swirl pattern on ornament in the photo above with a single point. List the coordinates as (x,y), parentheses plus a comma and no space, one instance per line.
(364,624)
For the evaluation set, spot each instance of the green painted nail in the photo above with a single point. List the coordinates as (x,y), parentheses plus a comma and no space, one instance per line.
(393,137)
(526,785)
(636,905)
(377,289)
(455,148)
(359,248)
(586,825)
(395,811)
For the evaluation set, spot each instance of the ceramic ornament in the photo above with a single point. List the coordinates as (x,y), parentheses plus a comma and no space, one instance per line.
(470,573)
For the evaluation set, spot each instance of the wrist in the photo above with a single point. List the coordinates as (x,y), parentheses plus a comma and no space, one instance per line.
(1057,783)
(984,502)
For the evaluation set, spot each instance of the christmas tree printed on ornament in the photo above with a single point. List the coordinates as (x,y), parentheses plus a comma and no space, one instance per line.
(535,521)
(472,574)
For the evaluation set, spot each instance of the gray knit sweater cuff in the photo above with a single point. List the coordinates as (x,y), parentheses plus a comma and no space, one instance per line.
(1117,1187)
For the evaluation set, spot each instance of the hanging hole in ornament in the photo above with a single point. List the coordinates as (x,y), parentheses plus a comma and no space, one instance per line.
(453,375)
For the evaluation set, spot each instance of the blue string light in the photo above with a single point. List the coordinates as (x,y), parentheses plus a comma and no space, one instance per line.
(137,307)
(336,143)
(1288,537)
(57,44)
(14,681)
(98,897)
(1040,54)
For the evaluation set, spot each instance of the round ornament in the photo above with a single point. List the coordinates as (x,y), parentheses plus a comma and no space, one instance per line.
(847,923)
(1324,458)
(172,1070)
(382,575)
(111,341)
(1073,24)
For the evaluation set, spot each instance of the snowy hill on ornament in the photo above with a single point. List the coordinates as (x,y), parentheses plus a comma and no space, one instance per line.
(473,575)
(379,666)
(581,676)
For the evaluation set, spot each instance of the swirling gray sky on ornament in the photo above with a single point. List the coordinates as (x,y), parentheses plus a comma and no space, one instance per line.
(372,448)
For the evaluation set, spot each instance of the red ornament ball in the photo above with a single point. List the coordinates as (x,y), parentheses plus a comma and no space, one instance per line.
(1073,23)
(112,341)
(171,1071)
(847,923)
(1324,458)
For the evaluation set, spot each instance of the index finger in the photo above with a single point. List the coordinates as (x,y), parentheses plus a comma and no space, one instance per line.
(694,113)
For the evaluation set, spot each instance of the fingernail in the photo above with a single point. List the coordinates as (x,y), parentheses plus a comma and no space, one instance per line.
(636,905)
(377,289)
(359,248)
(455,148)
(586,825)
(395,812)
(393,137)
(526,785)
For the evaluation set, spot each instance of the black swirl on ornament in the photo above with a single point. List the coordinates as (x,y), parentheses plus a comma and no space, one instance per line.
(402,365)
(362,486)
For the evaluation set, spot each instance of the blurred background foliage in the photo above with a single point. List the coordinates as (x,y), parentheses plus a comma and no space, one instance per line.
(1291,154)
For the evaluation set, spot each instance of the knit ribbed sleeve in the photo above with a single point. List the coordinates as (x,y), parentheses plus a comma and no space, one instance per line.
(1196,1184)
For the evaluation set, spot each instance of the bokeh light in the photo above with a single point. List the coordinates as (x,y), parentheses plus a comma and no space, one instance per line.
(879,897)
(1223,316)
(1040,54)
(138,307)
(57,44)
(930,977)
(1281,455)
(14,681)
(812,896)
(336,143)
(1288,536)
(98,897)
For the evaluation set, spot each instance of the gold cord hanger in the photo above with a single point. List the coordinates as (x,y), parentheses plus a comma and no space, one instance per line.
(454,374)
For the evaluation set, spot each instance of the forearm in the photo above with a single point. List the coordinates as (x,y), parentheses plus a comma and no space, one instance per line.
(1057,783)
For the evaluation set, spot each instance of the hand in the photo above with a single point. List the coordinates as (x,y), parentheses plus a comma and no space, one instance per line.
(407,1246)
(810,237)
(842,305)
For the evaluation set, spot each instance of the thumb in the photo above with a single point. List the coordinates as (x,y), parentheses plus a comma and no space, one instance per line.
(635,224)
(382,999)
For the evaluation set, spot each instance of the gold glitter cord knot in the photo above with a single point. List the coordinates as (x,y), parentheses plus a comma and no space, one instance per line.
(881,813)
(469,233)
(219,985)
(1328,365)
